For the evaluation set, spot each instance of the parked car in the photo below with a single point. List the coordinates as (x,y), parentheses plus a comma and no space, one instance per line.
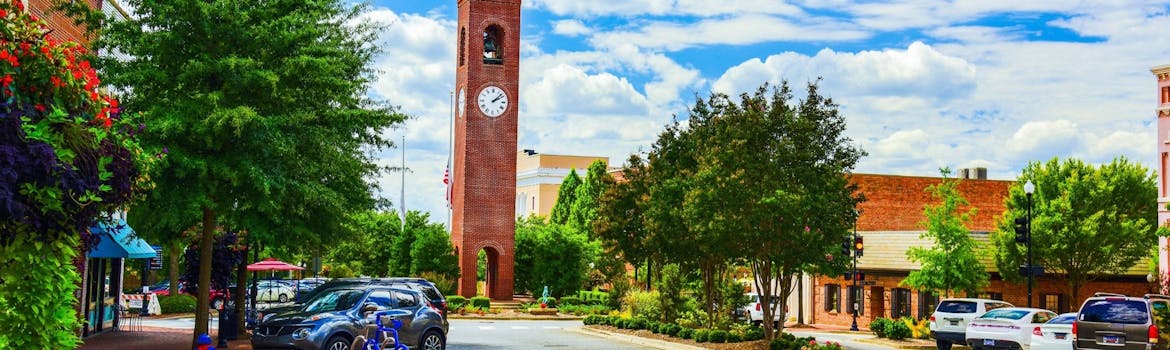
(419,284)
(270,290)
(754,311)
(218,297)
(1119,322)
(1007,327)
(332,319)
(948,323)
(1056,334)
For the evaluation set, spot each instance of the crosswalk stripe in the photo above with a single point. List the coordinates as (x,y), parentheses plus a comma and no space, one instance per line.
(487,327)
(551,327)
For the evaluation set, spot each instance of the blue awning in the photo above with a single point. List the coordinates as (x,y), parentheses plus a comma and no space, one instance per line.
(118,241)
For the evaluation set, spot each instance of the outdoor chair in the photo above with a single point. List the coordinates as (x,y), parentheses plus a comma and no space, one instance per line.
(128,318)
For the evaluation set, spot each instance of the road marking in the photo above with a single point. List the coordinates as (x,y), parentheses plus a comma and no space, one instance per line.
(519,327)
(487,327)
(551,327)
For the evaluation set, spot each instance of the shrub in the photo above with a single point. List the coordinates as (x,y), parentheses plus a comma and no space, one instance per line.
(671,329)
(692,319)
(918,329)
(175,304)
(456,302)
(878,326)
(593,319)
(717,336)
(621,323)
(570,301)
(686,333)
(639,323)
(701,335)
(654,326)
(754,333)
(787,341)
(734,337)
(481,302)
(642,303)
(612,320)
(897,330)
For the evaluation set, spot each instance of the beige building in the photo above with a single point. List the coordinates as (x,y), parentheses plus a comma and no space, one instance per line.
(539,177)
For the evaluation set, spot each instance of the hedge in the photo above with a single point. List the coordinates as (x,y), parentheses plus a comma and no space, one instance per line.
(701,335)
(456,302)
(481,302)
(686,333)
(570,301)
(176,304)
(717,336)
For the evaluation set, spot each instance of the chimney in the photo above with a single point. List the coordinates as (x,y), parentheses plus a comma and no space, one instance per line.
(530,152)
(977,173)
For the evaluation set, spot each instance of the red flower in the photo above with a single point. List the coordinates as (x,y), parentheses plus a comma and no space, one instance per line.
(32,17)
(7,80)
(40,108)
(3,13)
(19,4)
(56,81)
(45,50)
(25,48)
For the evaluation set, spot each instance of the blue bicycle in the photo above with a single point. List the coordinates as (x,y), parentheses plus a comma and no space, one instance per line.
(376,342)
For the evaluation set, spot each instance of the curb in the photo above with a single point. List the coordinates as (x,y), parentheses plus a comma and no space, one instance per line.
(524,317)
(653,343)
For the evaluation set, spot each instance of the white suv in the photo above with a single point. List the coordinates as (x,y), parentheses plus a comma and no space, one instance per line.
(948,324)
(755,311)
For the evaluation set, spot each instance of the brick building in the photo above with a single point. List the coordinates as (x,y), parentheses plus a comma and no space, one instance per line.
(890,223)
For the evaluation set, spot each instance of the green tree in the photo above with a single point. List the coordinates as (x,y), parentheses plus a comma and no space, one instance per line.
(951,264)
(619,218)
(1087,222)
(771,186)
(586,196)
(265,111)
(670,292)
(566,195)
(432,251)
(549,254)
(524,262)
(366,243)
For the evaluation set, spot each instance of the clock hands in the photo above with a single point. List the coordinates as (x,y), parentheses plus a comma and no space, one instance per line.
(497,98)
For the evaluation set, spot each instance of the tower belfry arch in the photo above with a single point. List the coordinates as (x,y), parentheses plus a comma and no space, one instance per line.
(484,168)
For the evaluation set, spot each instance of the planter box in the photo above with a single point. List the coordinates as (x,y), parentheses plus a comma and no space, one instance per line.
(546,311)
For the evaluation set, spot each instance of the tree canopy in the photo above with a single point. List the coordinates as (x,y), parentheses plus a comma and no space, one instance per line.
(1087,221)
(951,264)
(566,196)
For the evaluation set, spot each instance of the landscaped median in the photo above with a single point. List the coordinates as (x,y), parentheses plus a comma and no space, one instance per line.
(738,337)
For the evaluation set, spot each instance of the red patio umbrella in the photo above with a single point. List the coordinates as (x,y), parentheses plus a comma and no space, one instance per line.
(271,264)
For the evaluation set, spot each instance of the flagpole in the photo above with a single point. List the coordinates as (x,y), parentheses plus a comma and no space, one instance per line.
(402,195)
(450,151)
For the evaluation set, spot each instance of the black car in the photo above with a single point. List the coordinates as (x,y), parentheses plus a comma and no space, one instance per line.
(332,319)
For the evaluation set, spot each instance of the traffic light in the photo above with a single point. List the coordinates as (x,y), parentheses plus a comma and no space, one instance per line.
(858,246)
(1022,230)
(845,248)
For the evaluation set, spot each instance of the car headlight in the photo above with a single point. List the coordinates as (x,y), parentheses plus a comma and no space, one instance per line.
(300,334)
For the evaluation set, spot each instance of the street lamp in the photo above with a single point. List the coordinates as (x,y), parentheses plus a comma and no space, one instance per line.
(1029,188)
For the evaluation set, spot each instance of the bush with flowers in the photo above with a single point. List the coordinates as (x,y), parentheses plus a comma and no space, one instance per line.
(68,156)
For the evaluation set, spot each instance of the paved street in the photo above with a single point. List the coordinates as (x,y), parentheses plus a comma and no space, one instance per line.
(520,334)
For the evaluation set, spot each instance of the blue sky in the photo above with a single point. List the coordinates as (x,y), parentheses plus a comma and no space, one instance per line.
(923,84)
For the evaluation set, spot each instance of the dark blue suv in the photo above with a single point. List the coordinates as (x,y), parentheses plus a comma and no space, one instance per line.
(332,319)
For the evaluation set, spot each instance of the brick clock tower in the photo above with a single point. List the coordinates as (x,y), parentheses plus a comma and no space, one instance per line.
(484,191)
(1163,115)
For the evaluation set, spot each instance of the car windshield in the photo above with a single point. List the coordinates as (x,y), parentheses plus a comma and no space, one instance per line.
(333,300)
(1116,311)
(1063,319)
(1005,314)
(957,306)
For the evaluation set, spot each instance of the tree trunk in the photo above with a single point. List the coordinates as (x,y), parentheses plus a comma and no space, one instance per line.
(202,298)
(241,291)
(174,253)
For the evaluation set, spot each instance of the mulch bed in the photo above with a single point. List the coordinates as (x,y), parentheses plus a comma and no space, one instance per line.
(747,345)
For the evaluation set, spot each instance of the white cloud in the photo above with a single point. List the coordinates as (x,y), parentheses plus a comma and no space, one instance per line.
(702,8)
(570,27)
(738,30)
(1042,140)
(564,89)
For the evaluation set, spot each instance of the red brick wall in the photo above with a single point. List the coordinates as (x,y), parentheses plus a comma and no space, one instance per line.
(895,203)
(62,27)
(1016,294)
(484,192)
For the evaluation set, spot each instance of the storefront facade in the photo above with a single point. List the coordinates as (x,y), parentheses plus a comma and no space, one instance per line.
(101,275)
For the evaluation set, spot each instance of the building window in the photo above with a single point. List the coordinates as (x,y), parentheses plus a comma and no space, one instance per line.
(1166,94)
(832,298)
(493,45)
(991,295)
(856,300)
(927,301)
(1055,302)
(900,303)
(462,46)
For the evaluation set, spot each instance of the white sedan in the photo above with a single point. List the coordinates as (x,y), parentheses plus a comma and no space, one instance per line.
(1009,327)
(274,291)
(1056,334)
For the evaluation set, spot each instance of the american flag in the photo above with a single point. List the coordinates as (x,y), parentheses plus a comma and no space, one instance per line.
(447,181)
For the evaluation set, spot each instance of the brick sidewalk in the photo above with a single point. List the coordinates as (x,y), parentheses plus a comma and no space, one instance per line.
(151,338)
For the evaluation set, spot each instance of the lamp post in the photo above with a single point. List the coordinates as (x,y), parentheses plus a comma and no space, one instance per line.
(853,291)
(1029,188)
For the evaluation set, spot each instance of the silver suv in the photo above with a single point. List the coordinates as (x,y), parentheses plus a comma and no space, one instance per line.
(948,323)
(1117,322)
(334,318)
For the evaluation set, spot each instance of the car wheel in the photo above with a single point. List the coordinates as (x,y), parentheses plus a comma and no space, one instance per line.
(432,340)
(337,342)
(282,298)
(943,345)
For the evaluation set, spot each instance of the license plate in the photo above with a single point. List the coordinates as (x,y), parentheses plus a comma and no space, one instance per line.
(1112,339)
(1061,336)
(954,323)
(989,342)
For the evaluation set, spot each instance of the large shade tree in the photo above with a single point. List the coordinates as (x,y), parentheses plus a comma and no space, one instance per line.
(1087,221)
(771,185)
(264,109)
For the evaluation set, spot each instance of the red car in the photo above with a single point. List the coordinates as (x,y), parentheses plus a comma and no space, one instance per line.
(218,297)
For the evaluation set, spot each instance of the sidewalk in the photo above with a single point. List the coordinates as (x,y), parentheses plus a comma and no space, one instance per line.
(151,338)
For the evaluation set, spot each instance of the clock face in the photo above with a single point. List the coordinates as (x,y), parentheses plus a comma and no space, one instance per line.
(462,100)
(492,101)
